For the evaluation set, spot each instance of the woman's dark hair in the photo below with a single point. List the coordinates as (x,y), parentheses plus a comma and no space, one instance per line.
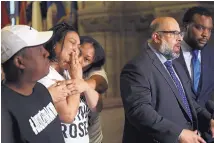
(99,58)
(188,16)
(59,33)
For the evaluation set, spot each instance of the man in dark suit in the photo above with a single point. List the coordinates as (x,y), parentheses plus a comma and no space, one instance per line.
(197,57)
(157,103)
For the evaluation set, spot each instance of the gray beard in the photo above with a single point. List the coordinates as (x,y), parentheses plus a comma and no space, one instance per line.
(167,51)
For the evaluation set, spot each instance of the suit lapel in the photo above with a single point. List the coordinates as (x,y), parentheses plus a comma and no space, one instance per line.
(204,69)
(165,74)
(186,82)
(181,60)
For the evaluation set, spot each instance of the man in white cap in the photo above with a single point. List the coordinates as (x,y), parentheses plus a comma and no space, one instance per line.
(28,114)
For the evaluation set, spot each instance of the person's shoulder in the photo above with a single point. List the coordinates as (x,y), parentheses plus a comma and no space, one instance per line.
(41,91)
(139,60)
(96,70)
(8,96)
(40,86)
(5,90)
(48,80)
(208,50)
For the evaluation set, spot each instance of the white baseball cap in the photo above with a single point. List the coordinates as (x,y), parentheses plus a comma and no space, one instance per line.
(14,38)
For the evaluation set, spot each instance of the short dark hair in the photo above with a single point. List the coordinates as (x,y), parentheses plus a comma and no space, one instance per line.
(11,72)
(188,16)
(99,52)
(59,32)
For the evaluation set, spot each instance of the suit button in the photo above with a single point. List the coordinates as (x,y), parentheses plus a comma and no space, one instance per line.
(198,100)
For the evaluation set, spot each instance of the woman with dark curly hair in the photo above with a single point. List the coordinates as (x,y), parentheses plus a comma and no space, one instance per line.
(66,85)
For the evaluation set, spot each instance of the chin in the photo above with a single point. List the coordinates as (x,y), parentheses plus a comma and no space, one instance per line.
(201,46)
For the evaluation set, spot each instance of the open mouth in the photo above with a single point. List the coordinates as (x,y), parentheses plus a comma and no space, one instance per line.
(178,46)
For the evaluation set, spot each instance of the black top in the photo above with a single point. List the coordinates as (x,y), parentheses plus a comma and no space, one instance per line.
(29,119)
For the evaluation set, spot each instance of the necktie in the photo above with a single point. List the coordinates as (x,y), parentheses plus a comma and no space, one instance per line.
(196,66)
(169,67)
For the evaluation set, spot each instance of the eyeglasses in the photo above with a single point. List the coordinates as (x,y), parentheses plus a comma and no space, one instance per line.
(174,34)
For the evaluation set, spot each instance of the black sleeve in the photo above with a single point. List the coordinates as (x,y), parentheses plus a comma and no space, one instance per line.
(136,96)
(204,116)
(6,127)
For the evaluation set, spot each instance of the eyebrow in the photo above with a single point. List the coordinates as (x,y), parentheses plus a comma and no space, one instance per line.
(72,39)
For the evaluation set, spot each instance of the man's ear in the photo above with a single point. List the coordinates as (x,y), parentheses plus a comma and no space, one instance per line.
(19,62)
(185,27)
(156,38)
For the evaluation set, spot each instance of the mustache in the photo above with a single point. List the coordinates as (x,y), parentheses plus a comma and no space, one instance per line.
(178,44)
(203,39)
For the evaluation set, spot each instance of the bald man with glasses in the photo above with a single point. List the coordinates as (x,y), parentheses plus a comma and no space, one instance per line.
(157,97)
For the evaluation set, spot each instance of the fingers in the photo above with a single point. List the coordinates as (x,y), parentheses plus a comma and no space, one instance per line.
(55,84)
(196,132)
(73,58)
(71,87)
(68,82)
(212,127)
(63,83)
(74,92)
(76,57)
(60,82)
(212,132)
(200,140)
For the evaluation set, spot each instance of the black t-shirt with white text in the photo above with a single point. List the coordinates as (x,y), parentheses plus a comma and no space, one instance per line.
(29,119)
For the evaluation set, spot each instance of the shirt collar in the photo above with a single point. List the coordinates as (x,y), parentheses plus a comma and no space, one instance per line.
(187,50)
(185,47)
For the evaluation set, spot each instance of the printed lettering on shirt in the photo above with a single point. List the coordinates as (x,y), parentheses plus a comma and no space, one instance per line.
(43,118)
(79,127)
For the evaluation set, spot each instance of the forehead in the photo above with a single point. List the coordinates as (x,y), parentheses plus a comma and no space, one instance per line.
(33,51)
(34,48)
(72,36)
(203,20)
(169,26)
(87,47)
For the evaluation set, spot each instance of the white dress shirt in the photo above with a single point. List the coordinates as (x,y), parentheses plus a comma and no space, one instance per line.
(187,53)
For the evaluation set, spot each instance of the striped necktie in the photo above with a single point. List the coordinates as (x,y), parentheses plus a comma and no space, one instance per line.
(182,94)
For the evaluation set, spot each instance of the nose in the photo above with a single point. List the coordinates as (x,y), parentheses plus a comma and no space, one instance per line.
(180,37)
(205,33)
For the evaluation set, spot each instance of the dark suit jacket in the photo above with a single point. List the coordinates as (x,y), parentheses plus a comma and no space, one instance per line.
(207,75)
(154,111)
